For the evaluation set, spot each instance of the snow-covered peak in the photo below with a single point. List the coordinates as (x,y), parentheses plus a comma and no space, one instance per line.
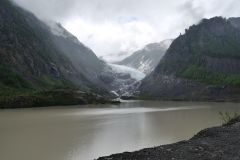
(146,59)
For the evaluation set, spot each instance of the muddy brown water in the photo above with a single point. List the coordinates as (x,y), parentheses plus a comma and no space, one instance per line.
(87,132)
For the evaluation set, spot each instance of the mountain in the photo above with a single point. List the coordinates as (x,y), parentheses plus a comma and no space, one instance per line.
(39,55)
(42,64)
(202,64)
(147,59)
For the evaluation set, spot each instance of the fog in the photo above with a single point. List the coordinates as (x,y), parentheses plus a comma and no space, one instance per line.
(110,27)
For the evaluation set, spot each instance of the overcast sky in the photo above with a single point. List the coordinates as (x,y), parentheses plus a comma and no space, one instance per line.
(113,26)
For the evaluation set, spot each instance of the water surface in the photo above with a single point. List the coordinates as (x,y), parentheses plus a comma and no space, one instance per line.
(87,132)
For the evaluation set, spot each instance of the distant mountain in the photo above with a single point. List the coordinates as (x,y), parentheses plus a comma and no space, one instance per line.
(37,55)
(202,64)
(147,59)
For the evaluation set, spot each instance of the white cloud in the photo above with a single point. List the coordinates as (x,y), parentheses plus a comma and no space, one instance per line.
(113,26)
(112,37)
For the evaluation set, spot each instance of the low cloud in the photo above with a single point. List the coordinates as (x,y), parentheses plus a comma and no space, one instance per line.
(111,27)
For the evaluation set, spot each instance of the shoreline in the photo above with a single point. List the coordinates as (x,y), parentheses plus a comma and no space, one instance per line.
(53,98)
(234,100)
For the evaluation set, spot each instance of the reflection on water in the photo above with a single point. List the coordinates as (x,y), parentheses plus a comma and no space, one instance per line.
(73,133)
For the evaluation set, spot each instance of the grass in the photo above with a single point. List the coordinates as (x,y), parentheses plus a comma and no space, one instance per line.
(226,117)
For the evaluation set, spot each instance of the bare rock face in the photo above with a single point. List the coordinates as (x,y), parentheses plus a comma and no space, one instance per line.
(202,64)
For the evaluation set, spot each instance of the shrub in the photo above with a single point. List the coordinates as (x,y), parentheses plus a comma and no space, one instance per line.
(226,117)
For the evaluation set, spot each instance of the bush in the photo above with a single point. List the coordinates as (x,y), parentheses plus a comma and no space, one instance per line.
(226,117)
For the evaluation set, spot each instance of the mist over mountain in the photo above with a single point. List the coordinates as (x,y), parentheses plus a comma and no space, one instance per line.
(37,55)
(43,55)
(147,59)
(123,25)
(114,57)
(202,64)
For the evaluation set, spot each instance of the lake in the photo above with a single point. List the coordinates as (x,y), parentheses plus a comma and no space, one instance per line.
(87,132)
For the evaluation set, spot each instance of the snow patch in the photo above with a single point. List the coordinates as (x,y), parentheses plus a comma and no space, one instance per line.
(115,93)
(146,66)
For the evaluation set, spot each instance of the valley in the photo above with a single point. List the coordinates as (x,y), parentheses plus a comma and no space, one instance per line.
(79,84)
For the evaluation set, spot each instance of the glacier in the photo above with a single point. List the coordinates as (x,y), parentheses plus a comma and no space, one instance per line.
(134,73)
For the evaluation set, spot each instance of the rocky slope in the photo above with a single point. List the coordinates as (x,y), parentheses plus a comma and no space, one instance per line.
(202,64)
(147,59)
(218,143)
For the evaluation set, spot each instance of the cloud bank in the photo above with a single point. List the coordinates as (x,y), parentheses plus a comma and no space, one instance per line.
(111,27)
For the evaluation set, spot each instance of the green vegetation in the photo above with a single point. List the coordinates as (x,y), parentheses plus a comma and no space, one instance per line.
(226,117)
(220,47)
(15,92)
(229,48)
(55,97)
(55,83)
(199,73)
(215,38)
(10,79)
(13,84)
